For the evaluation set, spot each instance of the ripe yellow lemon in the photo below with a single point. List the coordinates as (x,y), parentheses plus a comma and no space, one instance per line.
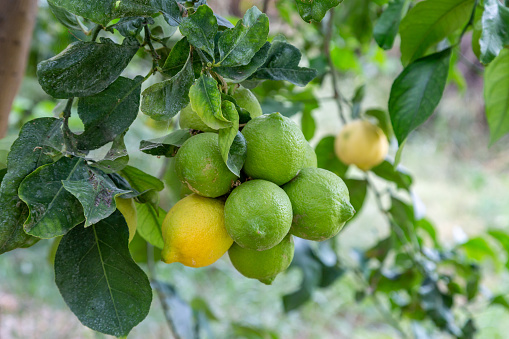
(263,265)
(128,210)
(194,233)
(361,143)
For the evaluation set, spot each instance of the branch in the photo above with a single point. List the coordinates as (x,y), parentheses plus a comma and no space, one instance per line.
(265,6)
(155,57)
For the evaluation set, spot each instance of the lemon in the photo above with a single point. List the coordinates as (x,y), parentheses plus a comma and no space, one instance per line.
(258,215)
(190,119)
(361,143)
(194,232)
(128,210)
(246,99)
(200,166)
(263,265)
(320,202)
(310,159)
(275,148)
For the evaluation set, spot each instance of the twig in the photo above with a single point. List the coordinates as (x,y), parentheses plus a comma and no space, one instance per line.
(326,48)
(469,23)
(155,57)
(265,6)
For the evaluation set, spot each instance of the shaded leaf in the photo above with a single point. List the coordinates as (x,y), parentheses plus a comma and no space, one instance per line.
(495,30)
(150,220)
(428,23)
(383,119)
(223,22)
(116,159)
(206,102)
(166,146)
(357,190)
(496,87)
(315,10)
(96,194)
(326,157)
(241,73)
(27,153)
(177,58)
(141,181)
(417,91)
(67,19)
(237,46)
(100,12)
(132,26)
(169,9)
(308,125)
(139,250)
(387,26)
(227,135)
(200,29)
(108,114)
(99,280)
(165,99)
(237,154)
(53,210)
(387,171)
(479,249)
(85,68)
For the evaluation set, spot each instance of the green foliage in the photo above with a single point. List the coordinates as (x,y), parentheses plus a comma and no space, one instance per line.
(165,146)
(495,30)
(315,10)
(497,106)
(387,25)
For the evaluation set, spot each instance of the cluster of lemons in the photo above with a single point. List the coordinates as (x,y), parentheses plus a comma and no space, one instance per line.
(280,194)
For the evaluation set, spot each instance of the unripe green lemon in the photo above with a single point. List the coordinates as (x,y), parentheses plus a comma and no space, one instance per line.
(263,265)
(258,215)
(128,210)
(320,202)
(361,143)
(275,148)
(191,119)
(194,233)
(200,166)
(246,99)
(310,159)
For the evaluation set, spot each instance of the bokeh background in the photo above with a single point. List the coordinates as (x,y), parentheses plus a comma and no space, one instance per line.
(461,182)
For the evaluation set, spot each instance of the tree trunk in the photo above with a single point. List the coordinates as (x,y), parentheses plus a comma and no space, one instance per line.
(17,20)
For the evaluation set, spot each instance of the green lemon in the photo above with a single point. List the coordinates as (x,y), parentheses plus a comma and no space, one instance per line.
(275,148)
(321,204)
(309,157)
(263,265)
(246,99)
(199,165)
(191,119)
(258,215)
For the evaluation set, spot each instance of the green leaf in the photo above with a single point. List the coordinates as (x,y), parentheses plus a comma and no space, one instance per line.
(99,280)
(116,159)
(206,102)
(150,221)
(315,10)
(27,153)
(3,172)
(165,99)
(100,12)
(67,19)
(417,91)
(500,300)
(138,248)
(241,73)
(326,157)
(387,25)
(357,190)
(96,194)
(177,58)
(428,23)
(223,22)
(166,146)
(387,171)
(383,119)
(200,29)
(169,9)
(109,113)
(237,46)
(478,249)
(237,154)
(53,210)
(496,87)
(132,26)
(495,30)
(85,68)
(283,64)
(308,125)
(227,135)
(357,99)
(142,182)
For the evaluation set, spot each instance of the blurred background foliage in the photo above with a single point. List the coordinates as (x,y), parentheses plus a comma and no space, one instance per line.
(426,255)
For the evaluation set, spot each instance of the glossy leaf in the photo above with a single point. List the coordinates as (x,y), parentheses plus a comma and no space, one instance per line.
(495,30)
(67,18)
(283,64)
(327,159)
(96,194)
(417,91)
(496,87)
(200,28)
(428,23)
(315,10)
(27,153)
(387,25)
(227,135)
(206,102)
(108,114)
(237,46)
(166,146)
(237,154)
(165,99)
(53,210)
(85,68)
(241,73)
(150,221)
(99,280)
